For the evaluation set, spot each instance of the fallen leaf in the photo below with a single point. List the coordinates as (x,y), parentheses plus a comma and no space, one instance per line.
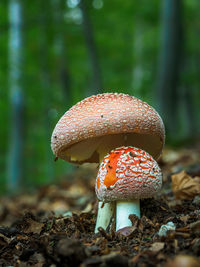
(184,186)
(126,231)
(183,260)
(157,246)
(175,244)
(184,229)
(112,258)
(195,227)
(184,235)
(184,218)
(4,240)
(136,258)
(33,227)
(197,179)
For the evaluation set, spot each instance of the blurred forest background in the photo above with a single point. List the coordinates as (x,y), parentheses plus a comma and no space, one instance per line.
(54,53)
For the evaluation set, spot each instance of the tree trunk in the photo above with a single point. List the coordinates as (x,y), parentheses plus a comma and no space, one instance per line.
(189,115)
(170,58)
(46,84)
(58,12)
(138,72)
(90,42)
(15,155)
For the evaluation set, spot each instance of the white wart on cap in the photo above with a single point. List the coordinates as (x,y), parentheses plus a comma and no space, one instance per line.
(103,122)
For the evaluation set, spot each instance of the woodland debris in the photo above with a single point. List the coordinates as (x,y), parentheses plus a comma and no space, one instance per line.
(184,186)
(166,227)
(157,246)
(183,261)
(44,237)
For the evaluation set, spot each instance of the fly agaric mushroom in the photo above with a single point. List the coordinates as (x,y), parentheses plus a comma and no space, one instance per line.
(96,125)
(126,175)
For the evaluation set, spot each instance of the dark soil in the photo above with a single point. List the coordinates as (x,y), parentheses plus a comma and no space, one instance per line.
(55,225)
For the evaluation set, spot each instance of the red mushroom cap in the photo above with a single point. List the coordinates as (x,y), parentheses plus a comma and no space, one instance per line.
(128,173)
(111,120)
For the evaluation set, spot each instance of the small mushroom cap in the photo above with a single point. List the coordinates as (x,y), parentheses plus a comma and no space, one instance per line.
(128,173)
(98,124)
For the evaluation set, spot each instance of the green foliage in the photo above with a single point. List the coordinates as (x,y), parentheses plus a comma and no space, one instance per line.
(127,40)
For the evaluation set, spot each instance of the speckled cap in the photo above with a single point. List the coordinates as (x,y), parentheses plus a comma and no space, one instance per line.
(103,122)
(128,173)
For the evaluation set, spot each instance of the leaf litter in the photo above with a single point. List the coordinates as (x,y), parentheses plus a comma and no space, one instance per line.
(55,225)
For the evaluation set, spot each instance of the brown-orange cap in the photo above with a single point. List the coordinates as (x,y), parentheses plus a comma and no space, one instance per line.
(109,119)
(128,173)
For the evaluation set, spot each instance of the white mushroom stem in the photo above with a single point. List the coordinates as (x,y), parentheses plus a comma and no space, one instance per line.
(123,210)
(106,211)
(105,216)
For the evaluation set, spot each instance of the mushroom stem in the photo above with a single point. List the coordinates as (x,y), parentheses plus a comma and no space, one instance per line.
(105,216)
(123,210)
(106,211)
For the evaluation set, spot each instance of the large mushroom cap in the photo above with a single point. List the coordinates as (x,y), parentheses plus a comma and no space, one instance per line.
(127,173)
(103,122)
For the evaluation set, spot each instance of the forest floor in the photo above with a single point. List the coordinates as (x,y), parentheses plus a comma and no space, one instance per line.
(55,225)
